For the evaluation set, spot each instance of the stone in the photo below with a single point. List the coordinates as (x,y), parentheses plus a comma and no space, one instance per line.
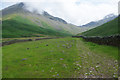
(24,59)
(57,74)
(97,66)
(61,59)
(63,51)
(53,75)
(28,48)
(63,45)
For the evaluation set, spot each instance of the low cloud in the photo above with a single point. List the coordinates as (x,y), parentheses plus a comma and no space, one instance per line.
(77,12)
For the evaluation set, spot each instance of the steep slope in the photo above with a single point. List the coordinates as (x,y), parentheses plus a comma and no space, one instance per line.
(94,24)
(48,22)
(53,18)
(21,27)
(107,29)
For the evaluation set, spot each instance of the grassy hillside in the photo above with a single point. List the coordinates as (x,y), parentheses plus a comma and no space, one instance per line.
(17,26)
(59,58)
(107,29)
(40,20)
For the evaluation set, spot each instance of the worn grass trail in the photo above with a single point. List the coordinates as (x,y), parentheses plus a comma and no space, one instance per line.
(59,58)
(95,65)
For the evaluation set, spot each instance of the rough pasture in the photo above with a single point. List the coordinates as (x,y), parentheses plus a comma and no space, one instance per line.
(59,58)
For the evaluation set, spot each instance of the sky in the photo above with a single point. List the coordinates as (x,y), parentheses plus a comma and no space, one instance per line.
(78,12)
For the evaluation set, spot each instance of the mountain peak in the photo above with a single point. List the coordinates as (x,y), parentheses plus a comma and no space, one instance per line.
(46,14)
(16,8)
(110,15)
(106,19)
(20,5)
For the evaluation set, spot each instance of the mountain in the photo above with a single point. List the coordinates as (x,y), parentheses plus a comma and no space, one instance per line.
(107,29)
(94,24)
(53,18)
(18,21)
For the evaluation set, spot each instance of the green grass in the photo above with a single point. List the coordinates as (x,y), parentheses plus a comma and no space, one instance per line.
(21,27)
(107,29)
(103,49)
(62,58)
(0,62)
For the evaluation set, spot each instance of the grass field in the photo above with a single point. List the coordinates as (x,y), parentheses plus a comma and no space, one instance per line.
(59,58)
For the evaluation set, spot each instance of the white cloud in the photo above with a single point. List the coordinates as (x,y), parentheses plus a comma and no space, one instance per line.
(75,11)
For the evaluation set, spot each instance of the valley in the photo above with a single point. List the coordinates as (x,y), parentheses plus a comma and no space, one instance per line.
(59,58)
(40,45)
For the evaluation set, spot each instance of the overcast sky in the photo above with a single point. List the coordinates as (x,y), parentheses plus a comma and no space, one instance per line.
(77,12)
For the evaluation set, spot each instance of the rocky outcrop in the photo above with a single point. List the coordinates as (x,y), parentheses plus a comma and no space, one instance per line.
(54,18)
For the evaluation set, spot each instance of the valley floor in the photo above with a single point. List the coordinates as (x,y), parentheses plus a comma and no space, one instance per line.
(59,58)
